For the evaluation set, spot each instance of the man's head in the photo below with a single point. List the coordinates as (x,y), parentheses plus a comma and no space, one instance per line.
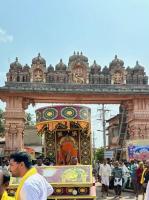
(104,161)
(132,162)
(46,161)
(116,164)
(7,162)
(39,161)
(4,181)
(74,161)
(121,163)
(20,162)
(111,163)
(147,164)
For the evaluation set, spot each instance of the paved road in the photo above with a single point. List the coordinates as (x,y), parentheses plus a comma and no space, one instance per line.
(125,195)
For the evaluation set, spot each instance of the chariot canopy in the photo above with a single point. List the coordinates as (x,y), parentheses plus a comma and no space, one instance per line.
(53,118)
(67,133)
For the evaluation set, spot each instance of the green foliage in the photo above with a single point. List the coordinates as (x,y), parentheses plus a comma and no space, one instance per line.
(29,120)
(1,113)
(99,154)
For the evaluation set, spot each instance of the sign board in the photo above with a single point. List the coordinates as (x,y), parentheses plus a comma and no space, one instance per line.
(108,154)
(138,149)
(138,152)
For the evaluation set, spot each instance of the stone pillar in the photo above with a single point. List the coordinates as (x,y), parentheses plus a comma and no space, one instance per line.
(138,118)
(14,123)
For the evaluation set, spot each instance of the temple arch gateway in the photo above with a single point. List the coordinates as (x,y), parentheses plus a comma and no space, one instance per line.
(77,83)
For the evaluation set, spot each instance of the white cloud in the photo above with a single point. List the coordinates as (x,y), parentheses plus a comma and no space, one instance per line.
(5,37)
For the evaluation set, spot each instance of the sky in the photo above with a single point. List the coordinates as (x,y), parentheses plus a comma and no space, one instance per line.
(99,28)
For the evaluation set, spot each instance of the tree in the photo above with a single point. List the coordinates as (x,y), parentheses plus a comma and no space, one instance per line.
(29,120)
(99,154)
(2,129)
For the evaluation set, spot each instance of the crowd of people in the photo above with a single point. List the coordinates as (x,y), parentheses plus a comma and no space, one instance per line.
(117,175)
(123,175)
(32,185)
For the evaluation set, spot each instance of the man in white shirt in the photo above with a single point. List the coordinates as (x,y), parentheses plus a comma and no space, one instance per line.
(35,187)
(126,174)
(32,184)
(105,173)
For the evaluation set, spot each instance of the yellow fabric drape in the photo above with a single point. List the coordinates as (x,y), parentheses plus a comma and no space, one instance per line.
(39,127)
(142,177)
(6,197)
(29,173)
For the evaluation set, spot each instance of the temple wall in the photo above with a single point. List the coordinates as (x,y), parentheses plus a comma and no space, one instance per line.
(138,118)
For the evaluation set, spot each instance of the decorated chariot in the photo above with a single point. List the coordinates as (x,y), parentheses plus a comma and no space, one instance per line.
(67,135)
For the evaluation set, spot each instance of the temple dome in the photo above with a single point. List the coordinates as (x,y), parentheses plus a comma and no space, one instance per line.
(50,68)
(60,66)
(138,67)
(105,70)
(26,67)
(129,70)
(116,62)
(16,65)
(78,56)
(39,59)
(95,68)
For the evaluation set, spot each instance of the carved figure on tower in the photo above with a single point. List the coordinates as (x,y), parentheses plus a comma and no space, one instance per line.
(117,71)
(78,68)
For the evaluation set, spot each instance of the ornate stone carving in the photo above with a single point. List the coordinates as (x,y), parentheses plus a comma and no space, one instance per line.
(117,78)
(137,118)
(13,136)
(61,66)
(94,76)
(117,71)
(38,75)
(26,102)
(50,74)
(78,71)
(38,69)
(78,77)
(14,123)
(138,131)
(136,75)
(95,68)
